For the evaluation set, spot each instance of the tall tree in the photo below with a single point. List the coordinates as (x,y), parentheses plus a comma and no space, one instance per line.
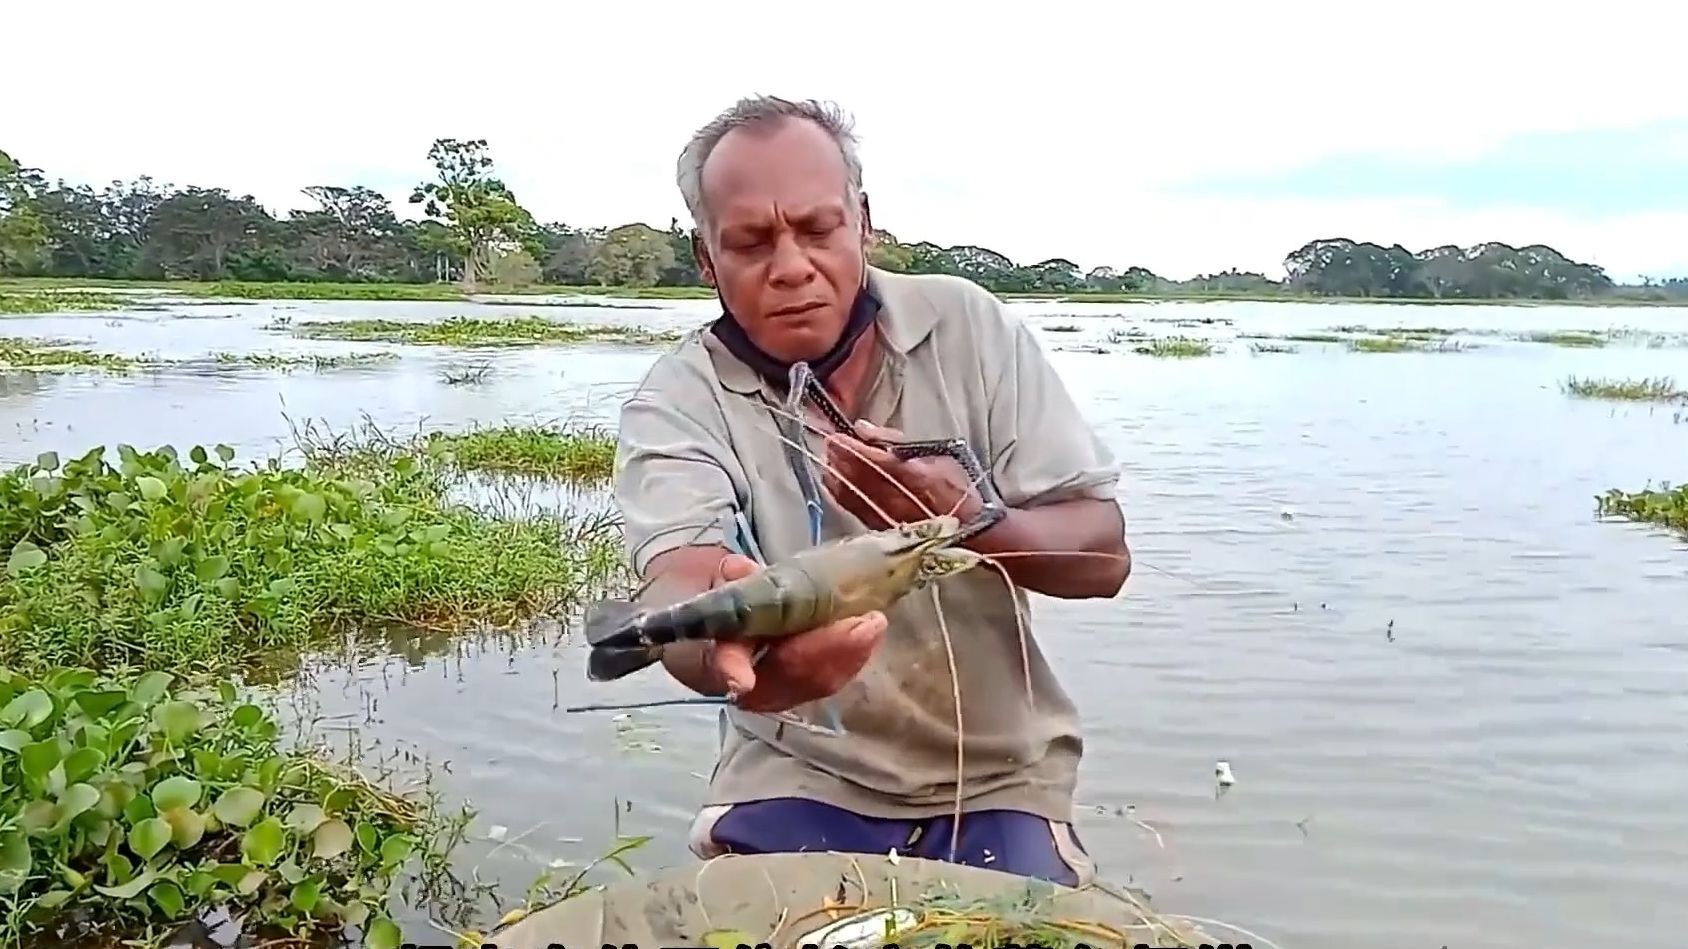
(480,211)
(23,233)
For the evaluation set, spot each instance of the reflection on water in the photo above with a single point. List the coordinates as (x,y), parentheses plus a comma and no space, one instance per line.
(1371,583)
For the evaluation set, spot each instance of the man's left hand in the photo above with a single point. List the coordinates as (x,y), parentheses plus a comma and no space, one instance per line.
(939,483)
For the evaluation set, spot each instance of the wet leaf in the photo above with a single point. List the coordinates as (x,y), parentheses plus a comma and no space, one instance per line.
(27,710)
(153,584)
(179,720)
(47,460)
(150,836)
(197,455)
(15,861)
(211,568)
(305,818)
(174,792)
(82,763)
(187,827)
(131,889)
(14,739)
(383,933)
(169,898)
(239,806)
(25,557)
(394,850)
(97,704)
(331,839)
(250,882)
(53,899)
(247,716)
(226,453)
(310,507)
(151,488)
(306,894)
(264,841)
(78,799)
(150,687)
(39,757)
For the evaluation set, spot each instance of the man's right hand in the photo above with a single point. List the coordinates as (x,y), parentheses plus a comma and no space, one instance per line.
(797,669)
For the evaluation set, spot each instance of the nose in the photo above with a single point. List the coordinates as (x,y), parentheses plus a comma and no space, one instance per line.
(790,267)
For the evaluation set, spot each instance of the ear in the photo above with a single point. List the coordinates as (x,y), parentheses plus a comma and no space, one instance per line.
(700,253)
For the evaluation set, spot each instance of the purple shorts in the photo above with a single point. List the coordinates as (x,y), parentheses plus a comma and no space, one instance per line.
(1006,841)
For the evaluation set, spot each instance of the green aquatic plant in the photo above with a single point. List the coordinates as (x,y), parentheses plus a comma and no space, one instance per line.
(1175,347)
(1271,348)
(584,454)
(1625,390)
(135,803)
(36,355)
(160,560)
(40,302)
(311,360)
(1567,338)
(1665,506)
(472,331)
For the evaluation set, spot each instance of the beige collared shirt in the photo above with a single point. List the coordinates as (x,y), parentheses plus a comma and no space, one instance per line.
(698,443)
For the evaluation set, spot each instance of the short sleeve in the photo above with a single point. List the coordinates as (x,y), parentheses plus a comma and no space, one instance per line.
(671,480)
(1045,450)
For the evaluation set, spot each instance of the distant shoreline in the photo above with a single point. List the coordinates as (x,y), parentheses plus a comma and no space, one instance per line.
(445,292)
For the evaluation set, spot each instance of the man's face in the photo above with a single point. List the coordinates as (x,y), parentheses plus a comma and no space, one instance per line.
(783,248)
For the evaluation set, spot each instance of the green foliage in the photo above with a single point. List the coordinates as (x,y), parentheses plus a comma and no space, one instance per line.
(481,213)
(159,561)
(132,806)
(1175,347)
(1625,390)
(476,230)
(472,331)
(1572,339)
(34,355)
(585,454)
(1665,507)
(62,301)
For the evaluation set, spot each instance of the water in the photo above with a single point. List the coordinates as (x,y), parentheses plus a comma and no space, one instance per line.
(1470,782)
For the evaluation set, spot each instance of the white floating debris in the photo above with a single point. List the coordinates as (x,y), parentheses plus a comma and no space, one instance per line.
(497,832)
(864,930)
(1222,771)
(892,856)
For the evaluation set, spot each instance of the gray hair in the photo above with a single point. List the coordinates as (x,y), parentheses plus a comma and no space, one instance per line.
(755,111)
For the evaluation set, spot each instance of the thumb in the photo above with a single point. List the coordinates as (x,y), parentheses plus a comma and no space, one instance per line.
(731,661)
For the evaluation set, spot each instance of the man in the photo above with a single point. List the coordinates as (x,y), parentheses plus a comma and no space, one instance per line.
(783,234)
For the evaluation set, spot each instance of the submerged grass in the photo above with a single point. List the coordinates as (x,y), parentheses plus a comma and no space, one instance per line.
(1665,507)
(309,360)
(36,354)
(583,454)
(1176,347)
(36,302)
(1404,344)
(1625,390)
(1567,338)
(472,331)
(160,561)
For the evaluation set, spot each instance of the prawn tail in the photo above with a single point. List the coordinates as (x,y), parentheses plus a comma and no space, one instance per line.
(607,663)
(617,648)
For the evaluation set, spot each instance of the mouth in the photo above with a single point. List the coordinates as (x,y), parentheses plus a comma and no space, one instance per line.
(796,309)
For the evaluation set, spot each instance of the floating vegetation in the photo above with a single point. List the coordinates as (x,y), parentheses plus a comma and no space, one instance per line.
(311,360)
(34,354)
(1425,333)
(136,804)
(1664,507)
(1298,337)
(466,376)
(254,290)
(1626,390)
(1063,328)
(1403,344)
(584,454)
(472,331)
(1566,338)
(160,561)
(37,302)
(1272,348)
(1176,347)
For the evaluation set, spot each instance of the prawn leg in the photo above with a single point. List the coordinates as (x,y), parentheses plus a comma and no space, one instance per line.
(803,384)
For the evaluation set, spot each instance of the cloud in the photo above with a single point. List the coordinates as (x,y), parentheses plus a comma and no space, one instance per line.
(1073,129)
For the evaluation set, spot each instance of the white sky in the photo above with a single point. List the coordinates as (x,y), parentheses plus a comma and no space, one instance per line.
(1048,129)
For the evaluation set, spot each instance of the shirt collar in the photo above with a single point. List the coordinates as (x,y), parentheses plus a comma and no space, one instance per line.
(905,320)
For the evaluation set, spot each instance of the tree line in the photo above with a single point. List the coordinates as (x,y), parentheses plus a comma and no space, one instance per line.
(474,231)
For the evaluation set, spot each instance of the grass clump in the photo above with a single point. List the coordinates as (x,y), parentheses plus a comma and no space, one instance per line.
(1272,348)
(471,331)
(311,360)
(1382,344)
(581,455)
(257,290)
(1665,507)
(1176,347)
(160,561)
(36,302)
(1565,338)
(1625,390)
(134,806)
(26,354)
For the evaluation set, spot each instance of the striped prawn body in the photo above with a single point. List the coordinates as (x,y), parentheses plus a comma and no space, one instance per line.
(821,585)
